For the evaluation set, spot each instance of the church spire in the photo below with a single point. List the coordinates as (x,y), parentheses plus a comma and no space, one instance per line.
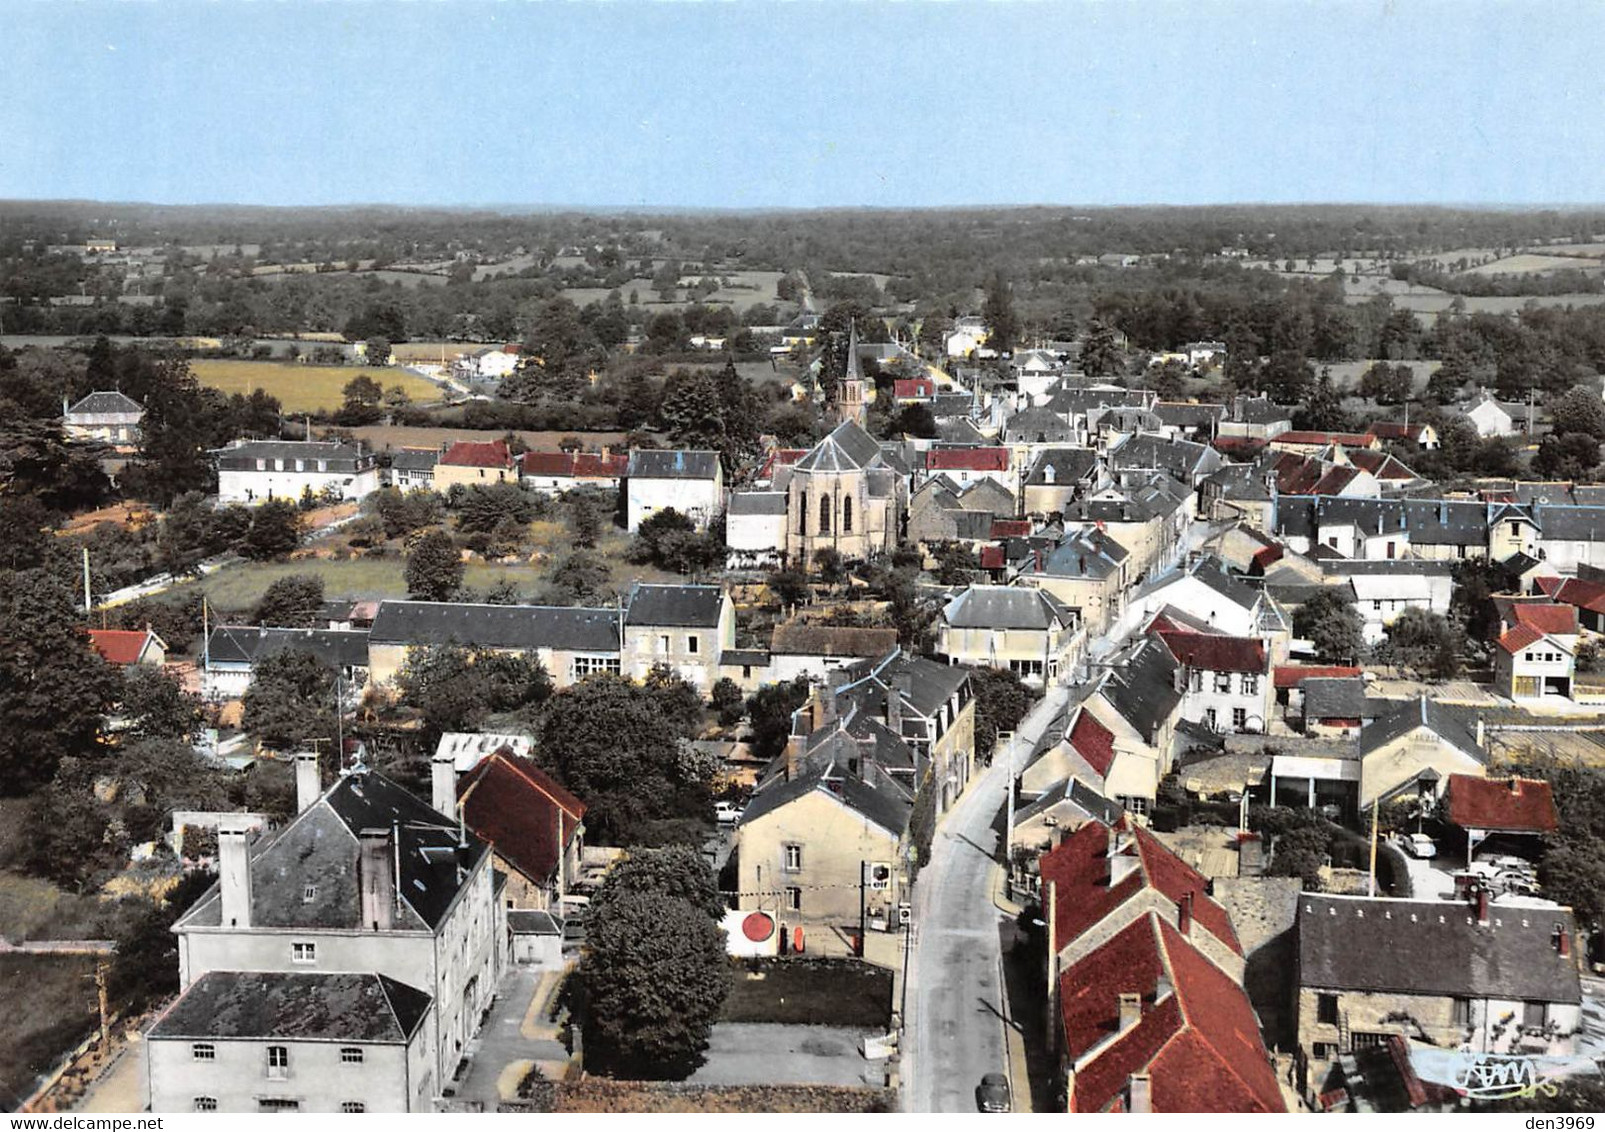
(850,403)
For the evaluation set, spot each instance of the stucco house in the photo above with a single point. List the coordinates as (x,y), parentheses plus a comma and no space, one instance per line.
(689,482)
(254,471)
(109,416)
(1023,629)
(471,463)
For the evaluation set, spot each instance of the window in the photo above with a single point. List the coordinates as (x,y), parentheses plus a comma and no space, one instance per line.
(663,642)
(793,854)
(304,952)
(802,513)
(323,465)
(277,1104)
(1364,1039)
(1209,719)
(1532,1016)
(1462,1012)
(353,1106)
(309,894)
(1326,1009)
(1223,682)
(1325,1051)
(205,1104)
(586,665)
(1390,550)
(692,643)
(203,1051)
(794,900)
(351,1055)
(847,516)
(1250,684)
(1134,804)
(1376,606)
(278,1062)
(824,516)
(1239,718)
(1197,681)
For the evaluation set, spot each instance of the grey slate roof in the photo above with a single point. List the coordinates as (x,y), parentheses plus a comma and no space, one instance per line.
(1182,414)
(105,402)
(846,447)
(414,460)
(1434,948)
(1079,795)
(959,430)
(695,607)
(1260,410)
(1069,465)
(496,626)
(529,922)
(757,503)
(339,457)
(1422,712)
(1182,459)
(367,1008)
(952,405)
(1037,426)
(657,464)
(1005,607)
(320,849)
(1334,697)
(248,644)
(1143,689)
(1445,522)
(1570,523)
(930,684)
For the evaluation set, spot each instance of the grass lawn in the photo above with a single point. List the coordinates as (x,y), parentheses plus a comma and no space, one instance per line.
(812,992)
(303,388)
(49,1007)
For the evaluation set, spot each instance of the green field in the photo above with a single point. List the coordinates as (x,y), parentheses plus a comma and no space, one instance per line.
(303,388)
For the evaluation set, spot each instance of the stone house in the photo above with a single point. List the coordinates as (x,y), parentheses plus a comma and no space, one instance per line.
(1023,629)
(472,463)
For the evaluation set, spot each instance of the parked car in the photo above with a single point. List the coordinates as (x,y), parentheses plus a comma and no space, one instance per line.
(1419,845)
(726,813)
(992,1094)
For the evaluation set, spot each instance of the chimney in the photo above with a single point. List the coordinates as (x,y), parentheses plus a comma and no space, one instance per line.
(1184,914)
(794,750)
(1563,941)
(1515,784)
(822,712)
(234,870)
(377,877)
(443,783)
(1130,1011)
(308,786)
(1140,1089)
(1481,731)
(865,756)
(1039,560)
(1482,905)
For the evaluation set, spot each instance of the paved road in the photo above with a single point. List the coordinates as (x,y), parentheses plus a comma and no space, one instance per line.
(953,1031)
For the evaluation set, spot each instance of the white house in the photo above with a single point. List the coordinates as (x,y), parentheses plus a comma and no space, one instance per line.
(1023,629)
(105,415)
(755,529)
(690,482)
(1381,597)
(254,471)
(368,924)
(1225,681)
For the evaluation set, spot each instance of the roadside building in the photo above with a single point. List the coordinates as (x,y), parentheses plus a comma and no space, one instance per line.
(255,471)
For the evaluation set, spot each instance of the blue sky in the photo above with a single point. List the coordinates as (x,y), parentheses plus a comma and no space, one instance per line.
(750,104)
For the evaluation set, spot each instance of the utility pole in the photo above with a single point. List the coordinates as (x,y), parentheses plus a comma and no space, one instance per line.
(89,599)
(863,914)
(1371,878)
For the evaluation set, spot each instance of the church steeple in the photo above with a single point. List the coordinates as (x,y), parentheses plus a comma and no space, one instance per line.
(850,402)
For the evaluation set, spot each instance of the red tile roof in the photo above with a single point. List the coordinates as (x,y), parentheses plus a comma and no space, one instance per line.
(913,387)
(1215,652)
(1079,871)
(780,458)
(1244,444)
(1515,805)
(1546,616)
(1397,430)
(1522,636)
(967,459)
(993,557)
(477,454)
(517,807)
(1348,439)
(1198,1039)
(1292,675)
(1011,528)
(1575,591)
(573,464)
(1093,742)
(121,646)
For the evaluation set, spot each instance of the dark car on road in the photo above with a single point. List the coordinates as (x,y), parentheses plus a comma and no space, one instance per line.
(992,1094)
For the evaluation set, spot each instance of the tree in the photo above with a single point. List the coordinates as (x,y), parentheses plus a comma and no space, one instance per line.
(586,517)
(998,311)
(832,568)
(434,568)
(292,602)
(54,689)
(1579,411)
(1387,384)
(144,969)
(1476,580)
(725,698)
(291,700)
(1100,354)
(1425,642)
(1001,702)
(655,978)
(363,391)
(1323,410)
(1568,456)
(790,587)
(1331,624)
(769,709)
(275,530)
(403,513)
(483,506)
(155,705)
(580,577)
(456,689)
(610,741)
(378,354)
(676,871)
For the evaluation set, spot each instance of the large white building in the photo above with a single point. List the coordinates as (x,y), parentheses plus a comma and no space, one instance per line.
(690,482)
(254,471)
(345,961)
